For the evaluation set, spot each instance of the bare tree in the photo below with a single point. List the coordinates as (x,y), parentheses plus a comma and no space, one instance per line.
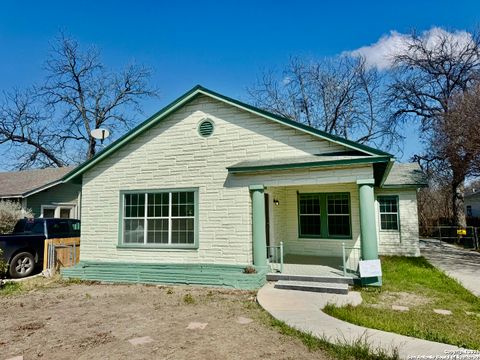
(89,96)
(428,77)
(455,146)
(339,96)
(50,124)
(28,132)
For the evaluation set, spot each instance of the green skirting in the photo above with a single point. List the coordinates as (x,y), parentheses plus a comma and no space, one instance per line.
(191,274)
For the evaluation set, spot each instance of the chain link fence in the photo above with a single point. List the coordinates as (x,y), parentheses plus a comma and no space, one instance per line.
(453,234)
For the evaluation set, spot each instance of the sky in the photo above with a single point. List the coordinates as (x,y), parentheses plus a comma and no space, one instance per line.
(221,45)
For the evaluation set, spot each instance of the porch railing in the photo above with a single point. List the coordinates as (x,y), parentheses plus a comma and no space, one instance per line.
(275,257)
(351,257)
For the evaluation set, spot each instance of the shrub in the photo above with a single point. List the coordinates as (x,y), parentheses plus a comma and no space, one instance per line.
(249,270)
(10,213)
(188,299)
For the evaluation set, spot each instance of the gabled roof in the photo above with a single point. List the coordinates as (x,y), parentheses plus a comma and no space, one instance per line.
(405,175)
(192,94)
(21,184)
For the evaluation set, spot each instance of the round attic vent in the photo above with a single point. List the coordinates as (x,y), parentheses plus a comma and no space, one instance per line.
(205,129)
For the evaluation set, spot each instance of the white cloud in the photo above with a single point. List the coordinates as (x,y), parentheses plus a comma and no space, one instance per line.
(381,53)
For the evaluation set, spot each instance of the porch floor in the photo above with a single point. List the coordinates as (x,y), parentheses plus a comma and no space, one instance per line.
(327,266)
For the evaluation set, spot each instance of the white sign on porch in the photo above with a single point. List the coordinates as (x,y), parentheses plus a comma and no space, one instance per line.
(370,268)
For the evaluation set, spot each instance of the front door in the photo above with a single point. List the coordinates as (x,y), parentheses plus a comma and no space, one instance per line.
(267,219)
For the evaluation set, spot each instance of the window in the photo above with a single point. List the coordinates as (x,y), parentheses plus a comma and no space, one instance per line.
(59,228)
(388,212)
(469,210)
(338,207)
(48,212)
(309,215)
(324,215)
(63,211)
(164,219)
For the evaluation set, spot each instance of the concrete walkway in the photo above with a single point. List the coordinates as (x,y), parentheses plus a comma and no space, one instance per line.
(460,264)
(302,310)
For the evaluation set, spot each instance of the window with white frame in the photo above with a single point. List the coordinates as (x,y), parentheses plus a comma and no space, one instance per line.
(388,212)
(58,211)
(165,219)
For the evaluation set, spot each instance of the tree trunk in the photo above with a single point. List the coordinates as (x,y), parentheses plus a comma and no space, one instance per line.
(458,203)
(91,148)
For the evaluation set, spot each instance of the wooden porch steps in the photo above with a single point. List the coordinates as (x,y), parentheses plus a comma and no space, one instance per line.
(314,286)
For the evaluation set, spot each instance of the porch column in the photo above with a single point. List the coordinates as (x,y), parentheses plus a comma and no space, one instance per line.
(258,226)
(368,228)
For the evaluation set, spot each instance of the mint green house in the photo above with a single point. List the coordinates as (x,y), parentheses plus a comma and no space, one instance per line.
(209,186)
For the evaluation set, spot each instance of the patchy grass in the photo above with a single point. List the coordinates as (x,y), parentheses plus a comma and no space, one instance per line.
(38,283)
(10,288)
(415,283)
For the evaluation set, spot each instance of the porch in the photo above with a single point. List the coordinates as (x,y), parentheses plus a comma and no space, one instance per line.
(314,211)
(319,231)
(345,266)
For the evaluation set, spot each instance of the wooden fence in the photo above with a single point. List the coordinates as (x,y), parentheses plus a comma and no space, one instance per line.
(61,252)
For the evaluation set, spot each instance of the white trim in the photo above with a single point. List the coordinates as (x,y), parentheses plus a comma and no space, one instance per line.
(57,207)
(42,188)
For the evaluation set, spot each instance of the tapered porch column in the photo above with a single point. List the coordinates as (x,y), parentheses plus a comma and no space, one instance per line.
(368,227)
(258,226)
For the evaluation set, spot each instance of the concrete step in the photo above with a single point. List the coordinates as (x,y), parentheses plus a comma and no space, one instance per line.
(310,278)
(321,287)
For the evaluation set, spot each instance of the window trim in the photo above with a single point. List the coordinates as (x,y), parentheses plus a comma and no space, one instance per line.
(193,246)
(324,231)
(397,199)
(57,208)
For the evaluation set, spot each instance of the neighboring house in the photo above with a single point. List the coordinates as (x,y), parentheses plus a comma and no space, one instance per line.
(472,204)
(197,192)
(42,191)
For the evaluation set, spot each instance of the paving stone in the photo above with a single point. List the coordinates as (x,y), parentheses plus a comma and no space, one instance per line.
(243,320)
(442,311)
(197,326)
(400,308)
(140,340)
(472,313)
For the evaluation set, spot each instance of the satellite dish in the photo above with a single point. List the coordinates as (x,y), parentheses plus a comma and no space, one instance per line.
(100,134)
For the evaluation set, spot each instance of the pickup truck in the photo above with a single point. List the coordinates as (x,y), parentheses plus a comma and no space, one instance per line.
(23,248)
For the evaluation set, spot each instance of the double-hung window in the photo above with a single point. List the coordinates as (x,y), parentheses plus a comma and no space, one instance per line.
(160,218)
(388,206)
(309,215)
(338,207)
(324,215)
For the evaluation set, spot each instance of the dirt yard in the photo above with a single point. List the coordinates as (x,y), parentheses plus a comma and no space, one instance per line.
(95,321)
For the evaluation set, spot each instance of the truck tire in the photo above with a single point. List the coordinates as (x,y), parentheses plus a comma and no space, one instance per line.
(22,265)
